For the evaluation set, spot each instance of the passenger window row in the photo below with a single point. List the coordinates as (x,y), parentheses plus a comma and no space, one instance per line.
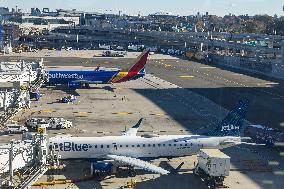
(145,145)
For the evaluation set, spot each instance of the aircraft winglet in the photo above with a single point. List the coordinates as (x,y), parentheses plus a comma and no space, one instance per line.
(133,130)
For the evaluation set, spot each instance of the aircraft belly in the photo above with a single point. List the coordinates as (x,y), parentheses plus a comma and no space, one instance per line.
(73,155)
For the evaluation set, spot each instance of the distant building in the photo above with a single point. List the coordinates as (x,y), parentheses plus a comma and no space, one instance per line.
(93,19)
(48,22)
(163,15)
(46,12)
(198,15)
(4,10)
(1,35)
(5,14)
(11,32)
(35,12)
(14,15)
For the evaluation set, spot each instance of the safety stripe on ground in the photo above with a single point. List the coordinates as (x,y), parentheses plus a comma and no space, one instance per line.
(158,114)
(186,76)
(122,113)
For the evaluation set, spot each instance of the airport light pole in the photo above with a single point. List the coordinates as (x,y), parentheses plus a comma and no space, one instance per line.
(11,154)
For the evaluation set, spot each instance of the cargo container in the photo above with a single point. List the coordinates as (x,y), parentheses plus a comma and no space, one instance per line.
(213,166)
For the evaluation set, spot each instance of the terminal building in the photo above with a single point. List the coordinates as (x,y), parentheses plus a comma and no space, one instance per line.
(48,22)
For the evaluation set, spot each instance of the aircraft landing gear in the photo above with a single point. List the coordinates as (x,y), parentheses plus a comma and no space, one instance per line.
(99,176)
(132,173)
(87,86)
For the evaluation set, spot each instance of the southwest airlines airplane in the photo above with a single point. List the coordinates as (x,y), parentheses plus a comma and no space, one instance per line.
(132,150)
(78,78)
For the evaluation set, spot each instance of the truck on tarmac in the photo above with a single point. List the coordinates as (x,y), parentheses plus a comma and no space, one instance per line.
(135,47)
(59,123)
(112,53)
(213,166)
(104,47)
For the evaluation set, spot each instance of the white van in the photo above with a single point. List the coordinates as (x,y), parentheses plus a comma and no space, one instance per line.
(15,128)
(35,123)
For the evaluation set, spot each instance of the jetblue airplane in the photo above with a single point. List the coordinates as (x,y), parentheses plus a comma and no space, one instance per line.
(77,78)
(132,150)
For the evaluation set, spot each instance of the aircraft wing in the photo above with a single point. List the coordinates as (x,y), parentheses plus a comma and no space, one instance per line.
(138,163)
(133,130)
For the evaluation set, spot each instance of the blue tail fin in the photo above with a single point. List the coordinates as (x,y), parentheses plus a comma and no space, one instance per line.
(233,122)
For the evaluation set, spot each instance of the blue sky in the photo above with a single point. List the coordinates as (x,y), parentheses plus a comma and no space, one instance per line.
(180,7)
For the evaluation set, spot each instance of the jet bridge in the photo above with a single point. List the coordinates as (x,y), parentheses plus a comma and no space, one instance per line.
(26,77)
(11,102)
(22,71)
(23,162)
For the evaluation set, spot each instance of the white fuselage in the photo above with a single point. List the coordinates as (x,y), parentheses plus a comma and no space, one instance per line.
(135,146)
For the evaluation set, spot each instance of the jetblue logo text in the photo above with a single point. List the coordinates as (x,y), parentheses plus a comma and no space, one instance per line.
(230,127)
(71,146)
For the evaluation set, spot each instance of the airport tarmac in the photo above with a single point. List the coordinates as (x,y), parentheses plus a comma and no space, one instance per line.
(171,105)
(77,53)
(110,109)
(221,85)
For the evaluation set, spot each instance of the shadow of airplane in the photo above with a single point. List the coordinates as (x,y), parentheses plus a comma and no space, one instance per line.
(72,91)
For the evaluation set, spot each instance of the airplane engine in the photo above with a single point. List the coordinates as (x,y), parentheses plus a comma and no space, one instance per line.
(74,84)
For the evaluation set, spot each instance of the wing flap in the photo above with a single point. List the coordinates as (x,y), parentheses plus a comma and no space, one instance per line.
(139,163)
(240,142)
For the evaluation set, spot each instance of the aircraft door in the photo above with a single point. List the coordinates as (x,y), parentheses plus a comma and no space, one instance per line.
(114,146)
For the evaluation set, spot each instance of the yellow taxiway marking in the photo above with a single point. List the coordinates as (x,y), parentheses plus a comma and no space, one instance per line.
(159,114)
(83,113)
(121,113)
(186,76)
(16,119)
(46,111)
(168,65)
(53,182)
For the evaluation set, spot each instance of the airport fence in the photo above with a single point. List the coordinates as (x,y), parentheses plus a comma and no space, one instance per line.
(266,67)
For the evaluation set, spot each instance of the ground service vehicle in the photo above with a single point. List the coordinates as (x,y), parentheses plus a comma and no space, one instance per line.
(15,128)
